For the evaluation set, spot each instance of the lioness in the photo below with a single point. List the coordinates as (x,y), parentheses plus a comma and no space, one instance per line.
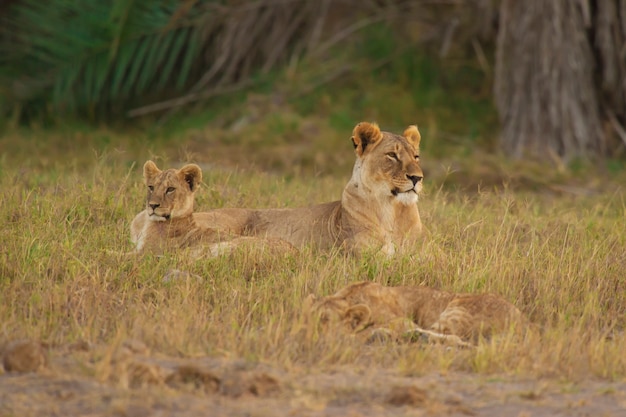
(377,210)
(169,221)
(439,315)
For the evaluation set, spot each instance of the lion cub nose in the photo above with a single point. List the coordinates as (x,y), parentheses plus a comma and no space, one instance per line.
(154,205)
(414,178)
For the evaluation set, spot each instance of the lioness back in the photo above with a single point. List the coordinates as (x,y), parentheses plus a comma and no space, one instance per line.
(299,226)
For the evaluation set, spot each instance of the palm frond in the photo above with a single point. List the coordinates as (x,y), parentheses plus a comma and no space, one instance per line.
(86,54)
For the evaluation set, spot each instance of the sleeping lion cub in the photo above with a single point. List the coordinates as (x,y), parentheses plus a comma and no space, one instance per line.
(458,319)
(169,221)
(377,210)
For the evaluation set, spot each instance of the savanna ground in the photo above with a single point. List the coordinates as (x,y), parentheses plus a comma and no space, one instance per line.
(172,336)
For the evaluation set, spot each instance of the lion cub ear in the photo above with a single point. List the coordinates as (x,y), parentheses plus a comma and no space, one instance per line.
(150,170)
(192,174)
(413,136)
(357,315)
(365,134)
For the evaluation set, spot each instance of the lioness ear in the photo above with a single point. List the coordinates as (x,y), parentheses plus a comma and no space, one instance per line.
(357,315)
(192,174)
(365,134)
(150,170)
(413,136)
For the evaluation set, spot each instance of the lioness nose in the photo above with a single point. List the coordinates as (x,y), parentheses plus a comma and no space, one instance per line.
(154,205)
(414,178)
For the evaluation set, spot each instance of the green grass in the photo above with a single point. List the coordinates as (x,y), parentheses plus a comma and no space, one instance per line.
(557,255)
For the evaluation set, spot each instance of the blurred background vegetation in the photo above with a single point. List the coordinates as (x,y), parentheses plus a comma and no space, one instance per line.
(540,79)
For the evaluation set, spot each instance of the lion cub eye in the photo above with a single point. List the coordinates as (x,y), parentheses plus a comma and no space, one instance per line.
(170,190)
(151,188)
(393,156)
(417,157)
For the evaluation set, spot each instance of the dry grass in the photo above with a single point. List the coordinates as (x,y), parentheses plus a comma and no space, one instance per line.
(559,257)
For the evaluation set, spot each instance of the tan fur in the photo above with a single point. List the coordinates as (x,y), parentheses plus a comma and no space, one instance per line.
(377,210)
(441,315)
(169,221)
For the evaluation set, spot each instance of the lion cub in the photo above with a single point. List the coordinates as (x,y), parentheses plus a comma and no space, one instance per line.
(169,221)
(439,315)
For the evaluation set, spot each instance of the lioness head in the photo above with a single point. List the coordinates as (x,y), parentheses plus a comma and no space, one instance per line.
(388,164)
(170,192)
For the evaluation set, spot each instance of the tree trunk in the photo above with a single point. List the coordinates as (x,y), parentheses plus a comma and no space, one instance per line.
(560,85)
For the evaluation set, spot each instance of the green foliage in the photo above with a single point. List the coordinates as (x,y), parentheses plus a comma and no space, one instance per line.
(100,59)
(455,87)
(94,57)
(397,82)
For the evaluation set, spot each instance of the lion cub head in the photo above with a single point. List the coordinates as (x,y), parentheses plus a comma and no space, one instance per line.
(388,164)
(332,311)
(357,306)
(170,192)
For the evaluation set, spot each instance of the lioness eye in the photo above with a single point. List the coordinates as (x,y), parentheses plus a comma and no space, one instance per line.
(417,157)
(170,190)
(393,156)
(151,188)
